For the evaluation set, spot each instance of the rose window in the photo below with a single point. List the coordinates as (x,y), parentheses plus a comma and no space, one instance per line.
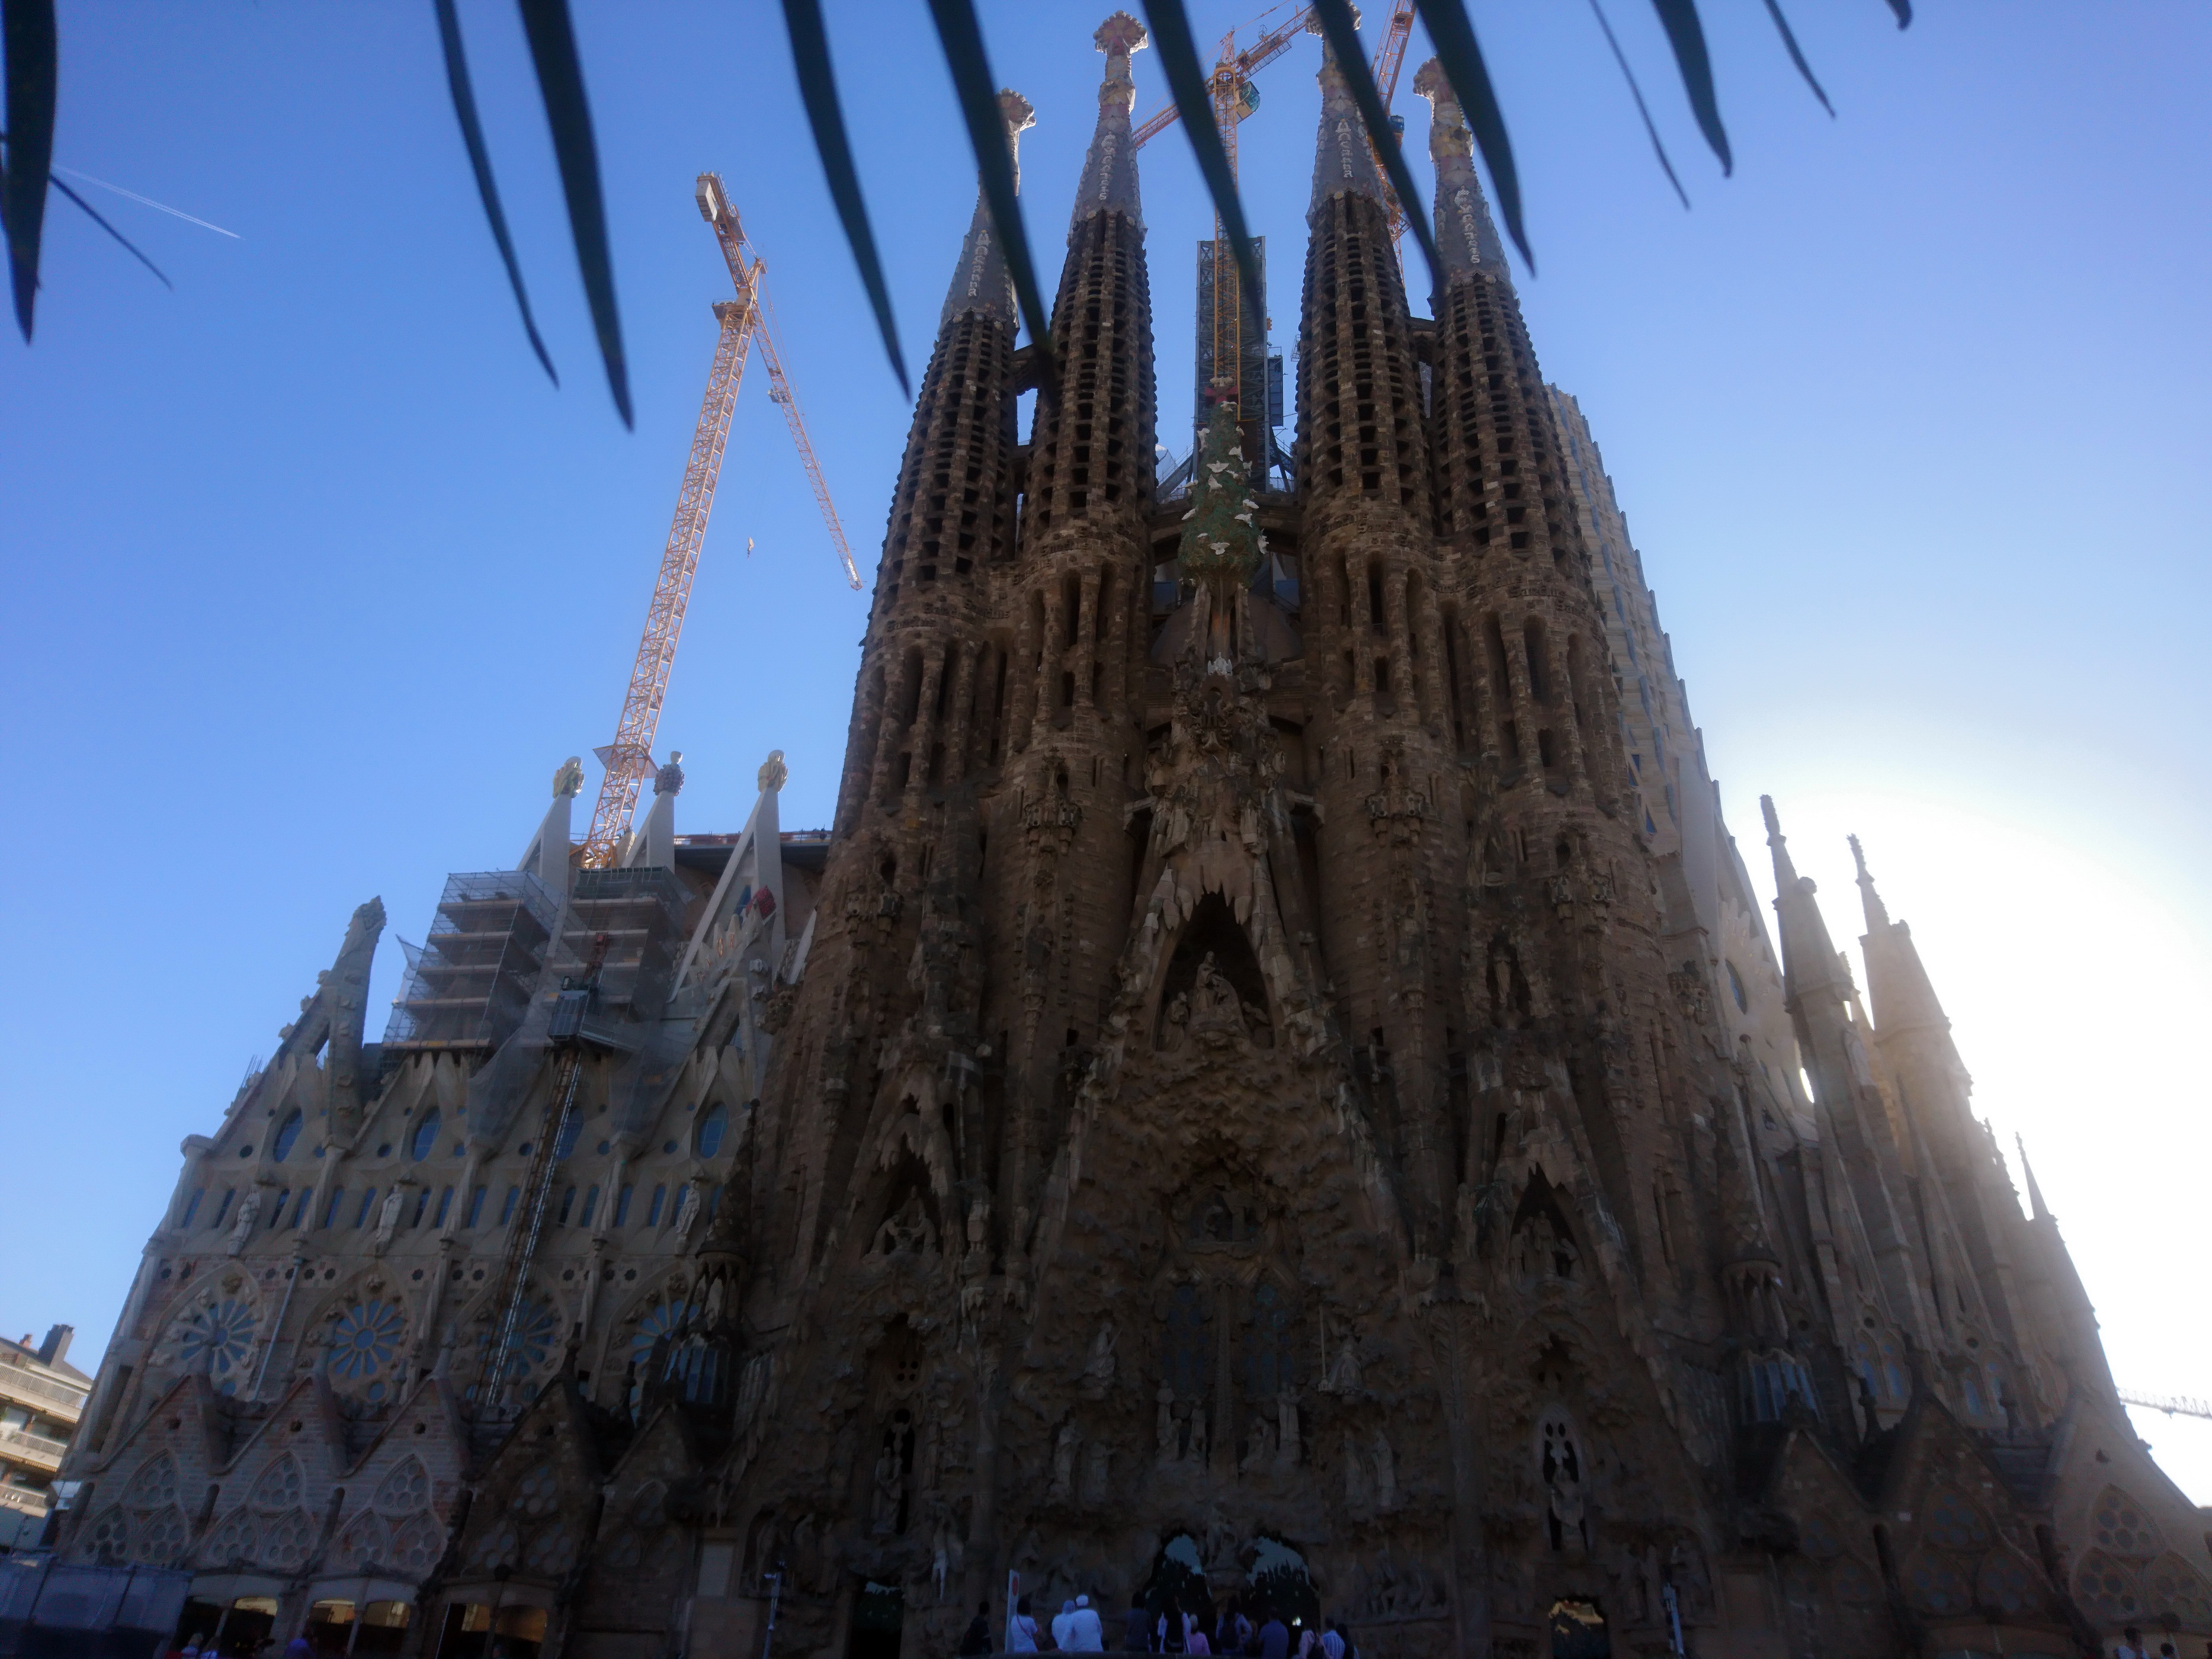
(365,1340)
(218,1337)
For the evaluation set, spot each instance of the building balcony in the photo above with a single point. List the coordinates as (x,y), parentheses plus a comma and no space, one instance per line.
(35,1450)
(23,1386)
(22,1502)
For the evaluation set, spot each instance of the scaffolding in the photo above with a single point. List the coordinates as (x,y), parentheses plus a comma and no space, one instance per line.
(470,984)
(639,913)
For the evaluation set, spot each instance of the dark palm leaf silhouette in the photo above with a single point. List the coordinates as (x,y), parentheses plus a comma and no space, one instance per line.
(29,36)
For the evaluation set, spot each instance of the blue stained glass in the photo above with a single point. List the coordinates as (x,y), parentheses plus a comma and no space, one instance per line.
(288,1133)
(366,1338)
(569,1131)
(711,1128)
(426,1137)
(218,1338)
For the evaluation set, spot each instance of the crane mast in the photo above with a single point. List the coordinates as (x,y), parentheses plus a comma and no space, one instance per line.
(1234,97)
(629,759)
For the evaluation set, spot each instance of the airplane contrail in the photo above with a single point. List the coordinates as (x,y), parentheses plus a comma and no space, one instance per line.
(149,202)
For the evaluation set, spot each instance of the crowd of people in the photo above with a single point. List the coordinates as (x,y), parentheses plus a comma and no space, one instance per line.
(1201,1628)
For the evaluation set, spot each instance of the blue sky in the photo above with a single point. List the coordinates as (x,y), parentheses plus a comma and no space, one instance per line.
(313,578)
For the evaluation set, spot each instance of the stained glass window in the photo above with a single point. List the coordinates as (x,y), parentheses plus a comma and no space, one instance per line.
(366,1338)
(426,1136)
(475,1208)
(621,1206)
(712,1128)
(1267,1366)
(218,1337)
(288,1134)
(653,1215)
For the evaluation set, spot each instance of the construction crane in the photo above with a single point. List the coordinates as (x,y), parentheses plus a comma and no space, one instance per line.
(746,322)
(2173,1405)
(1235,98)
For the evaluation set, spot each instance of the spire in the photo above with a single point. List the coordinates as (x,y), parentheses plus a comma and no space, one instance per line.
(654,845)
(1465,236)
(982,283)
(2036,1209)
(1877,916)
(1343,162)
(1110,169)
(344,996)
(547,856)
(1809,956)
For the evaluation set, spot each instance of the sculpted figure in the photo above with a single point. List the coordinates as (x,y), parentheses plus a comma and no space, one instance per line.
(687,1210)
(1063,1461)
(242,1229)
(884,1521)
(1386,1471)
(387,1218)
(1098,1369)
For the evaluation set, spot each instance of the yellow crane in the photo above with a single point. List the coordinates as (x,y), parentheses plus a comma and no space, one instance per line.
(747,321)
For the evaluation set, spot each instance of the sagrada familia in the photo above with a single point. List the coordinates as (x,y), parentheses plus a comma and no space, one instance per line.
(1274,1090)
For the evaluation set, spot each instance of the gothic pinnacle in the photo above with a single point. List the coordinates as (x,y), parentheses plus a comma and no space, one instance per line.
(1343,162)
(1110,169)
(982,283)
(1466,236)
(1877,914)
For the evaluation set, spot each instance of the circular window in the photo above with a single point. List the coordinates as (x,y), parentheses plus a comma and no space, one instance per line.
(247,1151)
(426,1137)
(288,1134)
(668,1146)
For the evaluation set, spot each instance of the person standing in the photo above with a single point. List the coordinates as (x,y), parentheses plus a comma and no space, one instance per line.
(1274,1637)
(1137,1628)
(1022,1629)
(1084,1633)
(1059,1621)
(974,1644)
(2131,1645)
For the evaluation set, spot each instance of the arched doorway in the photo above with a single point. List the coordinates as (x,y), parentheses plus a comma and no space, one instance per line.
(1579,1632)
(878,1614)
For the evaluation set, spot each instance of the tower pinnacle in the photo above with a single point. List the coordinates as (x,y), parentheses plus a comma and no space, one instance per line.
(1466,237)
(980,282)
(1343,163)
(1110,169)
(1877,915)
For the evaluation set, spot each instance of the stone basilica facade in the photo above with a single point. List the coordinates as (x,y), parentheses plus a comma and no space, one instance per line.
(1275,1086)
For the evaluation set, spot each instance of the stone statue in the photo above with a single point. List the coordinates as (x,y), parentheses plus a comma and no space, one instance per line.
(1386,1471)
(884,1520)
(1098,1473)
(1164,1423)
(669,779)
(1198,1433)
(1260,1448)
(1098,1368)
(387,1218)
(687,1210)
(569,779)
(1343,1374)
(774,773)
(242,1229)
(1286,1436)
(1063,1463)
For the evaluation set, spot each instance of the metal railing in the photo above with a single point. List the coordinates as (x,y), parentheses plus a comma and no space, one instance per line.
(27,1384)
